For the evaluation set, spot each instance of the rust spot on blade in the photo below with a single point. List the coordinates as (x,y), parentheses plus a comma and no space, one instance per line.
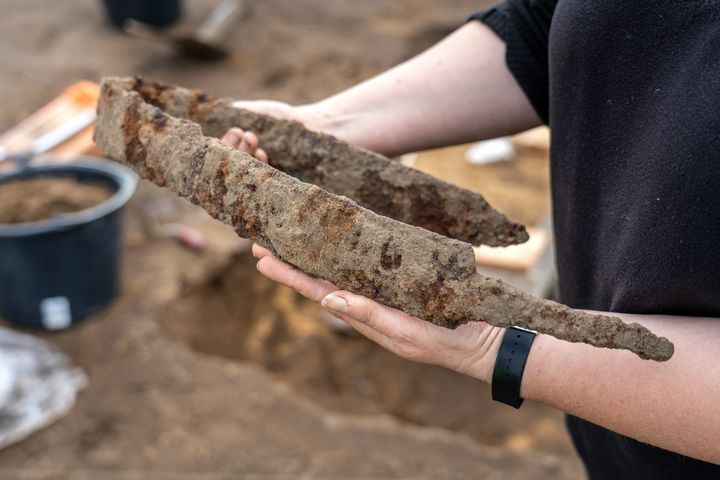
(390,259)
(451,269)
(197,104)
(135,151)
(336,218)
(268,174)
(219,185)
(213,198)
(248,225)
(106,96)
(434,298)
(152,92)
(424,204)
(362,284)
(159,120)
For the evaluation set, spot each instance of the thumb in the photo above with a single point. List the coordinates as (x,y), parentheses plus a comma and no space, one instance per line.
(398,332)
(368,312)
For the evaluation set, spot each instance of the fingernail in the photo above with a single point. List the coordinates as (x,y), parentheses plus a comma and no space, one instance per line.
(333,302)
(230,140)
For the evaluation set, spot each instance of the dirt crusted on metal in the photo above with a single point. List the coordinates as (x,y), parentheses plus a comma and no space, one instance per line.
(332,237)
(375,182)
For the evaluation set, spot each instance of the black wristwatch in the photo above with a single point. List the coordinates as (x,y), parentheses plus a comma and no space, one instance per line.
(510,364)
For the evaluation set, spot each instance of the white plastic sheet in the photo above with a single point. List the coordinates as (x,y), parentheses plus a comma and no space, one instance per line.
(38,385)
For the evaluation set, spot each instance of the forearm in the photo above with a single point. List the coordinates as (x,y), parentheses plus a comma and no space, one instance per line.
(458,91)
(673,405)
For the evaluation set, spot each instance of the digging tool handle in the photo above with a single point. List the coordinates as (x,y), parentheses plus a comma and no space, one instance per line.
(217,26)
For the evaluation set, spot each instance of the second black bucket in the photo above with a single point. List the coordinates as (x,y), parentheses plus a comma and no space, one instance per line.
(159,13)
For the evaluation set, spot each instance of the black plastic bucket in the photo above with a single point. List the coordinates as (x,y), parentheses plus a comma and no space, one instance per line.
(59,271)
(159,13)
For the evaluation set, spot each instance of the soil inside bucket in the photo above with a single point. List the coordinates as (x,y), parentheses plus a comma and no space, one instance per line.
(33,199)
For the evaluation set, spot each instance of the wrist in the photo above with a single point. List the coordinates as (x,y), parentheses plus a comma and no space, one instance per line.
(510,365)
(483,365)
(484,361)
(355,127)
(323,117)
(531,381)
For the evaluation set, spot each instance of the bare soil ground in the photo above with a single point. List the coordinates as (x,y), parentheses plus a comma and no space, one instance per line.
(204,370)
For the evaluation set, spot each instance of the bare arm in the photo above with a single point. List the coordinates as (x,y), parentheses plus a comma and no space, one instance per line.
(458,91)
(672,405)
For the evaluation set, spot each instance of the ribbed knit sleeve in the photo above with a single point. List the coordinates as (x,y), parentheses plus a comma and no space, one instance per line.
(524,25)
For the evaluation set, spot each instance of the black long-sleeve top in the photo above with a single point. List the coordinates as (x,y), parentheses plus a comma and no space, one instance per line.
(631,91)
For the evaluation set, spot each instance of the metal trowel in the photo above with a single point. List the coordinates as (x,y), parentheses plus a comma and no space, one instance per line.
(207,41)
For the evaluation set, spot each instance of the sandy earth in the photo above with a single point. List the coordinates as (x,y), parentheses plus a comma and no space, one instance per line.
(203,370)
(42,198)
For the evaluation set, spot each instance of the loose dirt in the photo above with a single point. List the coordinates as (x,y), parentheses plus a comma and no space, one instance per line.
(43,198)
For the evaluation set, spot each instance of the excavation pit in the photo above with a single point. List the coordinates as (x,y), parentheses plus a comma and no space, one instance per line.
(242,317)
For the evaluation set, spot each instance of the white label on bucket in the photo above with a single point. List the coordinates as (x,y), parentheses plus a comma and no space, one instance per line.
(55,313)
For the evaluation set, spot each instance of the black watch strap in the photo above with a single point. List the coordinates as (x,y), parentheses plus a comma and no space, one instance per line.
(510,364)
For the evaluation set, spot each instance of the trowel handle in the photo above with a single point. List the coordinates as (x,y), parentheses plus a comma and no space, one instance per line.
(217,26)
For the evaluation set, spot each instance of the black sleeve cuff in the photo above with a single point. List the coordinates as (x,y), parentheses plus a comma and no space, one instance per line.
(493,18)
(526,57)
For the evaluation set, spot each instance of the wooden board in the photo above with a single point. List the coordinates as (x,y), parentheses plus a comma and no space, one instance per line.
(67,119)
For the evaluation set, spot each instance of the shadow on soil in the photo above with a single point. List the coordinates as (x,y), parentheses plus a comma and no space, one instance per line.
(241,316)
